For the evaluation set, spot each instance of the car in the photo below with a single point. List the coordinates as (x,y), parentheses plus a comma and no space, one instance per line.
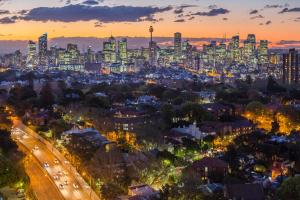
(61,186)
(35,148)
(65,173)
(56,161)
(75,186)
(66,162)
(55,177)
(65,182)
(46,165)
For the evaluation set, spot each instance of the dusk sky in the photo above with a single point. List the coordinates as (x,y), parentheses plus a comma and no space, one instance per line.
(274,20)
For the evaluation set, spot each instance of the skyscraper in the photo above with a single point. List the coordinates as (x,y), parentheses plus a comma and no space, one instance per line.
(43,47)
(177,45)
(31,54)
(263,51)
(252,40)
(235,48)
(110,50)
(122,50)
(290,67)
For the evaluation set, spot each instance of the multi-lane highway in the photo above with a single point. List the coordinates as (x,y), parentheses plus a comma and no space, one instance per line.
(55,171)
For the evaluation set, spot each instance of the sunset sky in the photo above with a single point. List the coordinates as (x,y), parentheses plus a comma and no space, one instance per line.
(274,20)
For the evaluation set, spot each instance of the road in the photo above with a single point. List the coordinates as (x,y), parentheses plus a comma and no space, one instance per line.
(60,175)
(47,190)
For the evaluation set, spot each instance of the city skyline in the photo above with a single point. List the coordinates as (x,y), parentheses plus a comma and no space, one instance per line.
(213,19)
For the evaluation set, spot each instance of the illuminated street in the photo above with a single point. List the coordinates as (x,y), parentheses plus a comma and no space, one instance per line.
(61,174)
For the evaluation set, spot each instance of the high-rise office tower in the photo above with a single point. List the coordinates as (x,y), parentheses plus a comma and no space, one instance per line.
(252,41)
(235,48)
(31,54)
(90,55)
(73,53)
(177,45)
(122,50)
(17,59)
(290,67)
(263,50)
(43,47)
(110,50)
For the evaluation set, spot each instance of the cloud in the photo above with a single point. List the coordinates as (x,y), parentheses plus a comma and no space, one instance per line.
(214,6)
(288,42)
(4,12)
(105,14)
(257,17)
(213,12)
(180,9)
(269,22)
(179,20)
(90,2)
(8,20)
(286,10)
(276,6)
(252,12)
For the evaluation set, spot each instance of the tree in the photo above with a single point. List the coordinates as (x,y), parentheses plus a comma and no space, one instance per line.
(255,107)
(111,191)
(290,189)
(275,127)
(273,86)
(46,96)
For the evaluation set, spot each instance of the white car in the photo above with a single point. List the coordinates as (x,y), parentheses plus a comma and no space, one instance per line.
(65,182)
(46,165)
(66,162)
(35,148)
(75,186)
(61,186)
(56,161)
(56,177)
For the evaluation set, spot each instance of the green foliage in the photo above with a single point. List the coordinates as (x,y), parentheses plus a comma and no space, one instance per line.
(8,174)
(290,189)
(6,143)
(46,96)
(111,191)
(255,107)
(273,86)
(59,126)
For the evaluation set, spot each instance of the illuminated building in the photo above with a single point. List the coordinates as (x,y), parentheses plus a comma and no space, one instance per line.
(263,52)
(17,59)
(122,50)
(274,59)
(187,54)
(290,67)
(31,54)
(110,50)
(90,56)
(177,45)
(73,54)
(43,47)
(252,40)
(235,48)
(221,53)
